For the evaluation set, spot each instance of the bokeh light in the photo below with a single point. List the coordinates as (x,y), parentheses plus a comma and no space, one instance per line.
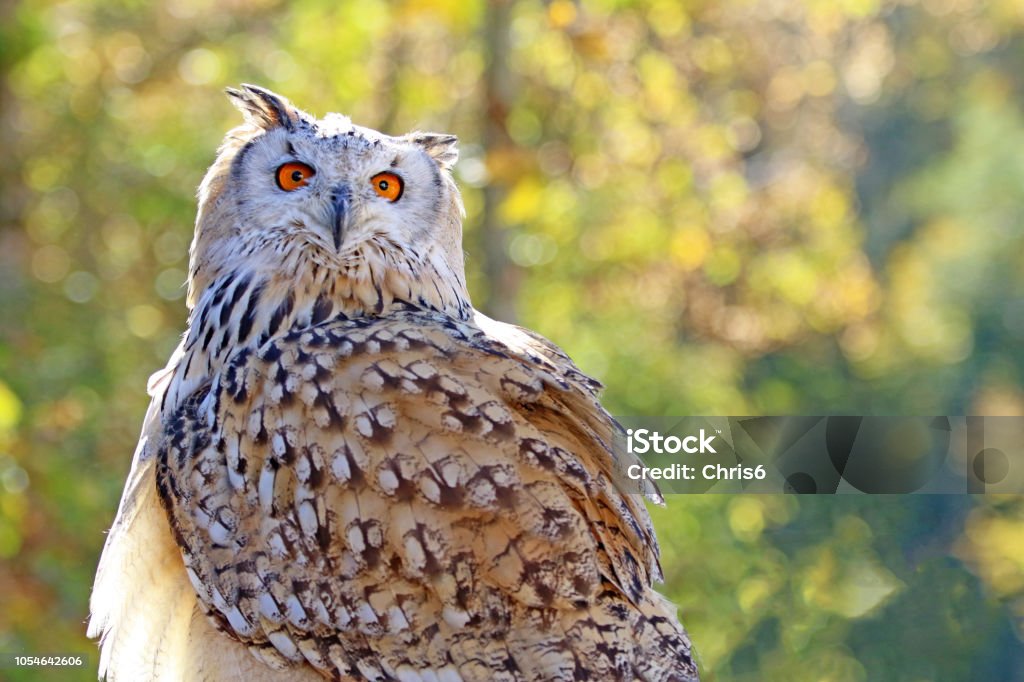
(778,207)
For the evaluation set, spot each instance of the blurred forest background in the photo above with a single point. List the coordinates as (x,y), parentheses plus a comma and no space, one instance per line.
(717,207)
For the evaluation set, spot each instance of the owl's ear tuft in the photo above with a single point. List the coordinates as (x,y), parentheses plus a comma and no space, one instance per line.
(263,108)
(444,149)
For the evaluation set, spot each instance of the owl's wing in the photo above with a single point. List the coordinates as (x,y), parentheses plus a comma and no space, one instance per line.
(142,607)
(386,497)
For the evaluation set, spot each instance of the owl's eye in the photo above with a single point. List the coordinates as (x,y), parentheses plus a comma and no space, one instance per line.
(293,175)
(388,185)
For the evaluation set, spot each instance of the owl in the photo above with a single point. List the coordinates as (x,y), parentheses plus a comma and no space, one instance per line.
(346,471)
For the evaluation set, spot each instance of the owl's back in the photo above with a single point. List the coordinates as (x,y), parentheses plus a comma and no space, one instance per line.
(416,497)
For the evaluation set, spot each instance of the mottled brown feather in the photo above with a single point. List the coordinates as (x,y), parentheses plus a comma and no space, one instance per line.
(415,494)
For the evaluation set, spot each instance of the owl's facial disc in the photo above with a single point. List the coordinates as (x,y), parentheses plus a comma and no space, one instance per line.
(293,192)
(333,188)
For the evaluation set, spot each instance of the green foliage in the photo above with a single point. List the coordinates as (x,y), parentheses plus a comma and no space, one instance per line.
(716,208)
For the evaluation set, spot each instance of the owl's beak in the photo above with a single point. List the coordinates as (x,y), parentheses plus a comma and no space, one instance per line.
(340,197)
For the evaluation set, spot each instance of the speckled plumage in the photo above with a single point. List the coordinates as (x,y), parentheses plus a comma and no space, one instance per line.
(347,472)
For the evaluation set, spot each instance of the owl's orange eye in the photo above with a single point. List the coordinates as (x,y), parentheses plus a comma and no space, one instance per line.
(293,175)
(388,185)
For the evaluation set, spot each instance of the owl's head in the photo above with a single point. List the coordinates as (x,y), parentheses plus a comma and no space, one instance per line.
(292,196)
